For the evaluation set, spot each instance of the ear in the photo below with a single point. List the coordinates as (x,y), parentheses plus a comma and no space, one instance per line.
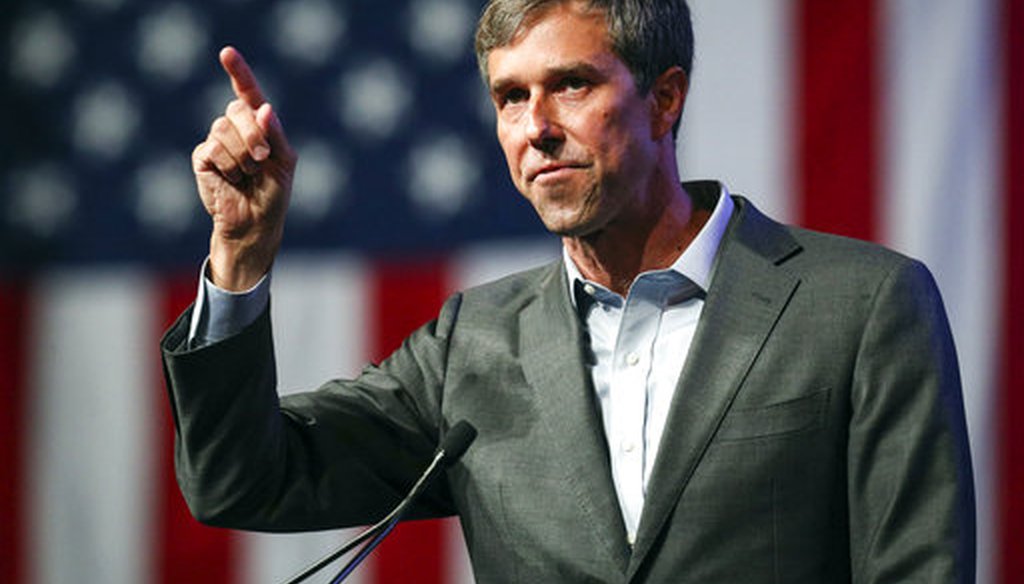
(668,95)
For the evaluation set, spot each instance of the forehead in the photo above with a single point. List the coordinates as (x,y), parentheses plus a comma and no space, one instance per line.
(559,34)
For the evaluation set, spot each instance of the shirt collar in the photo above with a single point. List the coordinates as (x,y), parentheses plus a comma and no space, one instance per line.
(696,261)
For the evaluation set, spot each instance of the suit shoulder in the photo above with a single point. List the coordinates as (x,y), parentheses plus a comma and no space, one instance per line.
(510,293)
(831,264)
(838,254)
(819,259)
(804,250)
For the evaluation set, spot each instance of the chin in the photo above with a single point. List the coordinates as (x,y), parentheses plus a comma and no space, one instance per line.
(569,227)
(566,219)
(558,225)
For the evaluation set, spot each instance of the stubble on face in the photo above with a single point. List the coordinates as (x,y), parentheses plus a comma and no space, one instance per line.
(570,211)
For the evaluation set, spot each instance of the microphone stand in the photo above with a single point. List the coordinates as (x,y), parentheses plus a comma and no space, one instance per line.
(455,443)
(389,522)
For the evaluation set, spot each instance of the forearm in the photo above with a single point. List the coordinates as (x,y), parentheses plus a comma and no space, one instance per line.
(228,433)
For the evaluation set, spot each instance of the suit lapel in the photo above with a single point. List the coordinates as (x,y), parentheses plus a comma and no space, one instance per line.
(551,345)
(748,294)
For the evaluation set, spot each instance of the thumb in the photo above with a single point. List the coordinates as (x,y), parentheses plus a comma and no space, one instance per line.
(268,121)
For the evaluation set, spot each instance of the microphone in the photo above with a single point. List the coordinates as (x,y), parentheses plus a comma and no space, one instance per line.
(452,447)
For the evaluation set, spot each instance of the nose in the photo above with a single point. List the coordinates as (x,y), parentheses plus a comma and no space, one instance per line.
(542,128)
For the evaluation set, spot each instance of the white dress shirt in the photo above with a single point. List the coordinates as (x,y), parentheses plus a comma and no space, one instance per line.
(638,347)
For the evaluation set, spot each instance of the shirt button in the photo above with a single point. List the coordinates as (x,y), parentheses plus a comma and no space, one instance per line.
(632,359)
(589,289)
(628,447)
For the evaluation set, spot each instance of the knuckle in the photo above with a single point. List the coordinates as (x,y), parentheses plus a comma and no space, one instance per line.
(200,161)
(221,157)
(253,139)
(206,153)
(236,106)
(220,125)
(214,149)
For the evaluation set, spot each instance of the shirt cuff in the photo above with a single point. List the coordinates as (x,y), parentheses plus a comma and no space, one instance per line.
(219,314)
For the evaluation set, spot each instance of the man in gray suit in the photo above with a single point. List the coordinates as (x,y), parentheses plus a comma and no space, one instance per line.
(693,393)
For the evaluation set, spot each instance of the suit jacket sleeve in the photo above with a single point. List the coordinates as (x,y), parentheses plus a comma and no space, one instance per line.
(910,489)
(246,460)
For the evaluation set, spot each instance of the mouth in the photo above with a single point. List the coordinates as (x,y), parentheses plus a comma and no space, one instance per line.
(553,171)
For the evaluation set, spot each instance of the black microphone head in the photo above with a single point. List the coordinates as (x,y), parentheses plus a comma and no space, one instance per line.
(456,441)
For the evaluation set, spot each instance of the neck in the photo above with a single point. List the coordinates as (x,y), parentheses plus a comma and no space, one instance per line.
(651,238)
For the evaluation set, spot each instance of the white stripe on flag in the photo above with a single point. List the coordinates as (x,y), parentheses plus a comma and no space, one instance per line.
(457,568)
(320,329)
(941,190)
(736,125)
(479,264)
(91,431)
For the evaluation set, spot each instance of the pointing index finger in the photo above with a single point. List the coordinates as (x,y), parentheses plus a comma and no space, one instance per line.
(243,82)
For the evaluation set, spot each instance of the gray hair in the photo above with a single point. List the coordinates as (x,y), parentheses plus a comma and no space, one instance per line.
(650,36)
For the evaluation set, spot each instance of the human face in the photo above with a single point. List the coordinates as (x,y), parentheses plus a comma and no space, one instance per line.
(576,134)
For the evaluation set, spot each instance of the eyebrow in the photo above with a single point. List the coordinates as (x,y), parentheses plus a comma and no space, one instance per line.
(579,68)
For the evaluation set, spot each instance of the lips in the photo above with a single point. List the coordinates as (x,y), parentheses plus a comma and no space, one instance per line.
(552,169)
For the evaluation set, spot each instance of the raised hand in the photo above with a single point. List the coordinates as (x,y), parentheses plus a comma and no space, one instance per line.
(244,172)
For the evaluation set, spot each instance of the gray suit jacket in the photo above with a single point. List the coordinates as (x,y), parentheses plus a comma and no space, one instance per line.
(816,435)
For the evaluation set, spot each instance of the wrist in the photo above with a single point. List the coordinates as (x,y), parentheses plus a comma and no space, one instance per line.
(237,265)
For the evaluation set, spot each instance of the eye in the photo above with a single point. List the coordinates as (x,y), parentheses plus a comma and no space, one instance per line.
(513,96)
(574,83)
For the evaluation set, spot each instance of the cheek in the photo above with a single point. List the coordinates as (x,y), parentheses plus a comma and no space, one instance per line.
(511,152)
(603,134)
(623,145)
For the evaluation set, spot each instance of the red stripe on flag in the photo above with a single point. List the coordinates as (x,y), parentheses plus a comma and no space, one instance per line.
(13,356)
(185,550)
(1011,398)
(836,69)
(405,295)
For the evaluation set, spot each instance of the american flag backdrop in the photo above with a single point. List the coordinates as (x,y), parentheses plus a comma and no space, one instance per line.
(900,121)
